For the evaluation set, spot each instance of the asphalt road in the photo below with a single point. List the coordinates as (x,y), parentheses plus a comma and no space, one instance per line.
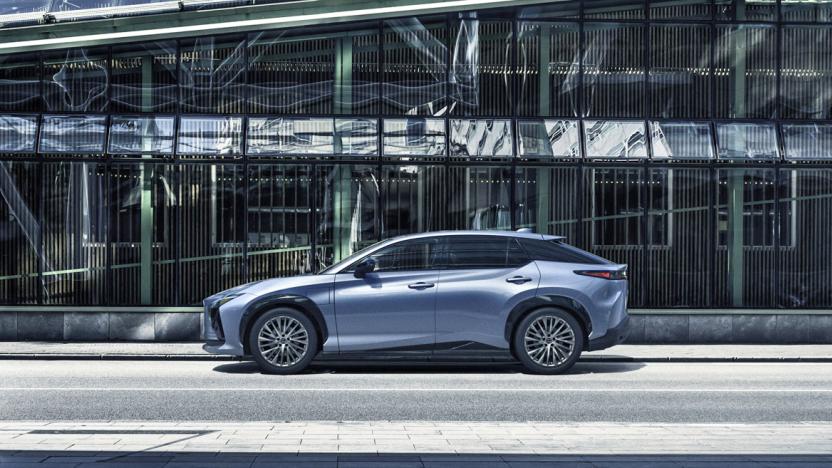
(611,392)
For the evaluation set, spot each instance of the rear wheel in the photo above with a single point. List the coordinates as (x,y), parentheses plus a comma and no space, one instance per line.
(548,341)
(283,341)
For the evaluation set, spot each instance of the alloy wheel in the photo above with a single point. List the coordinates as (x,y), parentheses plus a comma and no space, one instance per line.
(283,341)
(549,341)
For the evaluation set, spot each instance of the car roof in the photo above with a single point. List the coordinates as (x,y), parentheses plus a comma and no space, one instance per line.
(521,234)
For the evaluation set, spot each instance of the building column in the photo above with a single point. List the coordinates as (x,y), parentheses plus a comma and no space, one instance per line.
(146,187)
(543,175)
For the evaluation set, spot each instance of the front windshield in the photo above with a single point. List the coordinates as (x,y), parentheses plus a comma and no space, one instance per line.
(346,261)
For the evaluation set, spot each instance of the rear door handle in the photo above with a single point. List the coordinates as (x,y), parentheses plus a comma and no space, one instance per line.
(420,285)
(518,279)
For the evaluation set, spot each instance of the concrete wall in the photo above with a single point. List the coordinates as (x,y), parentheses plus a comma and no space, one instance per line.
(673,326)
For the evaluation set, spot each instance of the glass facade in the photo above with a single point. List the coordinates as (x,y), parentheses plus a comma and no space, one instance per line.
(690,139)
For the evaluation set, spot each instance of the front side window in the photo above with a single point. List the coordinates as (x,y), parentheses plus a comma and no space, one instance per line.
(484,252)
(412,255)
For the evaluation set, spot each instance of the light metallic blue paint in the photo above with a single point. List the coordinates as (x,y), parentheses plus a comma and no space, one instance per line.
(380,311)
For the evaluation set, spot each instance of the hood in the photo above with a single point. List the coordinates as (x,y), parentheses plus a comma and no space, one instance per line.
(272,285)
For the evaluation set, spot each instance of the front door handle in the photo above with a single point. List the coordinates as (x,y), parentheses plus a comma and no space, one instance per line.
(518,279)
(420,285)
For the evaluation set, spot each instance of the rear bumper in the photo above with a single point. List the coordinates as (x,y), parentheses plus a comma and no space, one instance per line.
(614,336)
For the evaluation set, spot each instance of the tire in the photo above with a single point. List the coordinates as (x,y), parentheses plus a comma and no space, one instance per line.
(534,342)
(281,350)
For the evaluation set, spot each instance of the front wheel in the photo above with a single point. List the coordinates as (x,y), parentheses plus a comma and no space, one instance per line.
(283,341)
(548,341)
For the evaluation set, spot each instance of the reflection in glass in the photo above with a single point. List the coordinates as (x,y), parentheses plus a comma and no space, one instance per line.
(548,68)
(481,138)
(681,140)
(279,221)
(141,135)
(480,67)
(75,134)
(680,71)
(211,229)
(615,139)
(480,197)
(210,136)
(807,141)
(746,141)
(415,199)
(746,10)
(563,9)
(806,80)
(356,137)
(546,200)
(20,83)
(347,219)
(20,228)
(75,80)
(75,219)
(614,9)
(819,11)
(212,75)
(286,136)
(414,137)
(745,60)
(549,138)
(142,198)
(17,133)
(144,77)
(681,9)
(415,66)
(613,68)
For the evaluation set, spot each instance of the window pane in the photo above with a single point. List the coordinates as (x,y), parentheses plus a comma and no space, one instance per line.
(212,75)
(142,201)
(20,83)
(614,139)
(285,136)
(746,58)
(684,9)
(613,70)
(17,133)
(681,140)
(76,134)
(75,222)
(548,69)
(807,141)
(415,66)
(546,200)
(415,199)
(211,224)
(414,137)
(746,10)
(678,272)
(347,217)
(806,10)
(481,138)
(20,187)
(210,136)
(481,61)
(141,135)
(746,141)
(144,77)
(549,139)
(407,256)
(356,137)
(680,71)
(806,80)
(614,9)
(563,9)
(483,252)
(75,80)
(279,221)
(480,197)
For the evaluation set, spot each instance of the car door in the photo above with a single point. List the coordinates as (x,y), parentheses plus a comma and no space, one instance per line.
(482,278)
(393,307)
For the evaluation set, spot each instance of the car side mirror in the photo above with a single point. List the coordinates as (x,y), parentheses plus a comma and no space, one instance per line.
(367,265)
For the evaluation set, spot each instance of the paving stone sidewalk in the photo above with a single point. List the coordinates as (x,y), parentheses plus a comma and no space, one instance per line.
(644,353)
(410,443)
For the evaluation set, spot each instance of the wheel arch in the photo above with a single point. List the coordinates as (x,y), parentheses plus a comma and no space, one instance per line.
(299,303)
(571,306)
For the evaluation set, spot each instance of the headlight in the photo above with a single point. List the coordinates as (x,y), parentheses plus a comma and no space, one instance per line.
(227,299)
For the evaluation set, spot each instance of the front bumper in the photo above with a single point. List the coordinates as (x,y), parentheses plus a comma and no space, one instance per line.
(614,336)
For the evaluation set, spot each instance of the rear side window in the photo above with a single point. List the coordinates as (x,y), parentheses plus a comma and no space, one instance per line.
(551,251)
(484,252)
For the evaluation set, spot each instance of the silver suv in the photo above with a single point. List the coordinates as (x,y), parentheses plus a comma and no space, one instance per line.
(456,294)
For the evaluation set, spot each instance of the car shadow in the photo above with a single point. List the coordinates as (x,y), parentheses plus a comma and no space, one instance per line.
(346,367)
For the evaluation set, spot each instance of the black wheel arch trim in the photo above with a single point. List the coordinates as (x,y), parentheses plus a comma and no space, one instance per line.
(271,301)
(548,300)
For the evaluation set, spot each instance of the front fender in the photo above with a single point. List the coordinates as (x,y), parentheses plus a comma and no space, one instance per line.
(277,299)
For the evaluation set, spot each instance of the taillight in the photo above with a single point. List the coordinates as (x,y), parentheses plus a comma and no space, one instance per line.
(604,274)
